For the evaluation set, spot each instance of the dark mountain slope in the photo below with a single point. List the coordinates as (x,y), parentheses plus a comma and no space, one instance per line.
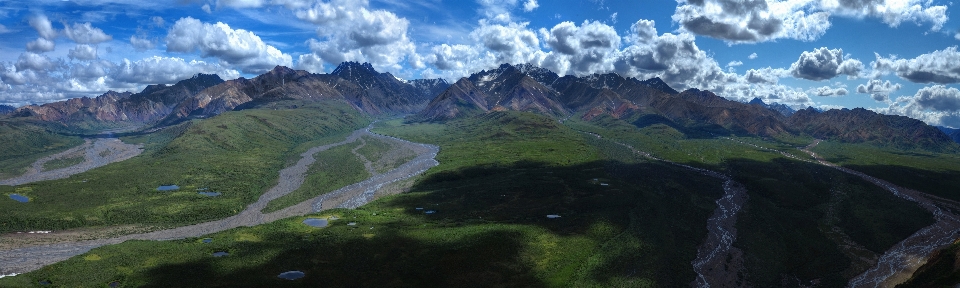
(381,92)
(862,125)
(952,133)
(6,109)
(461,99)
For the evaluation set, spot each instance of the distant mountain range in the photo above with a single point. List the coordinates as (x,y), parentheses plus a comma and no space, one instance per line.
(952,133)
(508,87)
(648,102)
(6,109)
(782,109)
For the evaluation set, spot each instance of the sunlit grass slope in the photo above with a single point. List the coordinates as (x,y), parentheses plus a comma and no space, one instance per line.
(23,143)
(237,153)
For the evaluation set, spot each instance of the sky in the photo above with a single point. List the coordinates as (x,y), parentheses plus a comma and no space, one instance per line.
(896,57)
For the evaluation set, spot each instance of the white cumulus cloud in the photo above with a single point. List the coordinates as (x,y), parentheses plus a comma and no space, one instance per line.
(85,33)
(233,47)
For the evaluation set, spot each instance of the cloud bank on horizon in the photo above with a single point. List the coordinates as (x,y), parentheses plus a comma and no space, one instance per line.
(821,53)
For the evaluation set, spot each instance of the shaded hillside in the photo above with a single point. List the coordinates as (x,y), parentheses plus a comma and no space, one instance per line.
(952,133)
(861,125)
(6,109)
(941,270)
(780,108)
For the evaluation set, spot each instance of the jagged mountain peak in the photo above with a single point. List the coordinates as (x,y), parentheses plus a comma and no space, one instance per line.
(657,83)
(349,69)
(6,109)
(780,108)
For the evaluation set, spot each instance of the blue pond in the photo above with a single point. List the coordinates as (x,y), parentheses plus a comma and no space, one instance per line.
(291,275)
(168,188)
(315,222)
(207,240)
(209,194)
(220,254)
(19,198)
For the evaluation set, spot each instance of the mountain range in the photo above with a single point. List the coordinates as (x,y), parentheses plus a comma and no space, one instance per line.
(509,87)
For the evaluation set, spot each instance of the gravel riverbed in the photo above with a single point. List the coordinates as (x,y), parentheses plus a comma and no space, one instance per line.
(96,153)
(22,260)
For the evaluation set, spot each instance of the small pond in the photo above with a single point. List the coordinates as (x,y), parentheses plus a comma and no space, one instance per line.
(291,275)
(168,188)
(19,198)
(315,222)
(209,194)
(207,240)
(220,254)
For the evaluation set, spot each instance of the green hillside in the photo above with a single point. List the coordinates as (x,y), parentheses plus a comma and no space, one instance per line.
(24,143)
(237,154)
(626,221)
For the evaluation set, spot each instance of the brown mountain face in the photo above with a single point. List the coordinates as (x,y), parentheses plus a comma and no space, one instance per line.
(862,125)
(153,103)
(694,107)
(208,95)
(508,88)
(381,93)
(461,99)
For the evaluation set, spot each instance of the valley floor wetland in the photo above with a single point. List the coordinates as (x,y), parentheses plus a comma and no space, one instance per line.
(25,259)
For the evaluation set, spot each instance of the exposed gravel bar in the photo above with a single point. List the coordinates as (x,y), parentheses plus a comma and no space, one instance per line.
(27,259)
(96,153)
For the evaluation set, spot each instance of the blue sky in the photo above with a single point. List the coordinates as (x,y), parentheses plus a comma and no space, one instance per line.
(892,56)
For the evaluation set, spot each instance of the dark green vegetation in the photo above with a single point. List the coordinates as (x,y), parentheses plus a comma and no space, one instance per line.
(784,229)
(24,143)
(625,220)
(335,168)
(491,196)
(929,172)
(237,153)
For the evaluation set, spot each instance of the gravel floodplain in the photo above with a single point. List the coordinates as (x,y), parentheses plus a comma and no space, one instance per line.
(26,259)
(96,153)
